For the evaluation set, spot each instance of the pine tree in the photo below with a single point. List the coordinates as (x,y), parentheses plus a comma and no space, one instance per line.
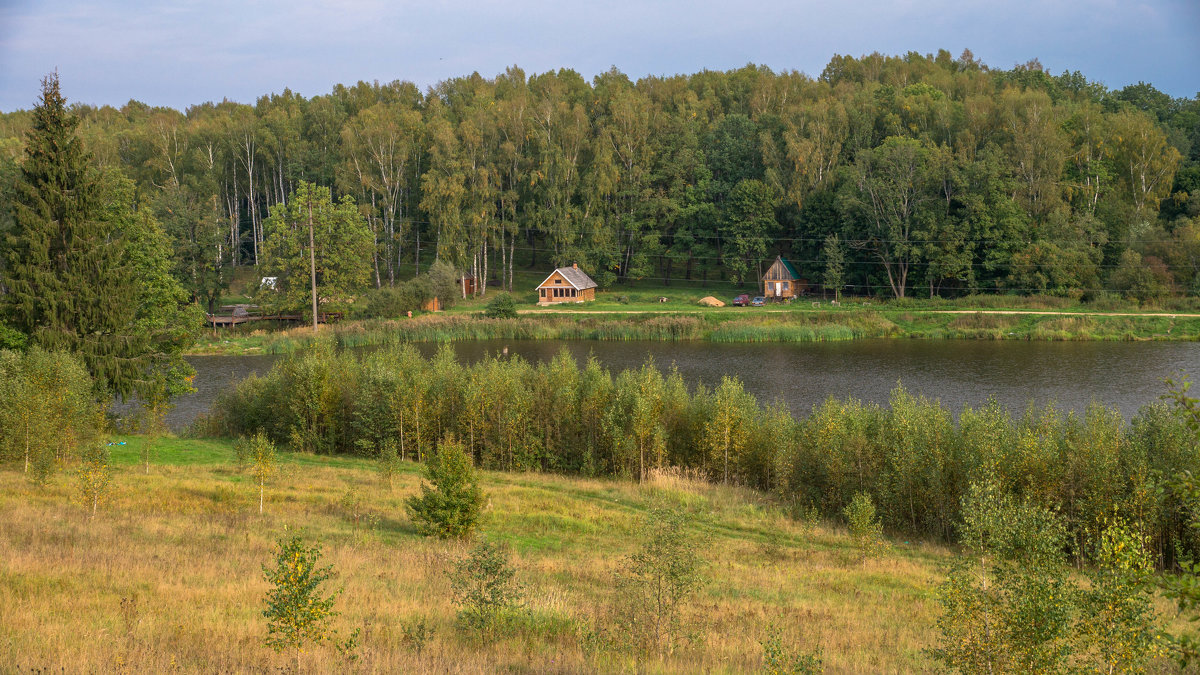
(75,281)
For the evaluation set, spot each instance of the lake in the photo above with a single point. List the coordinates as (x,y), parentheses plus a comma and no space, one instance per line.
(1122,375)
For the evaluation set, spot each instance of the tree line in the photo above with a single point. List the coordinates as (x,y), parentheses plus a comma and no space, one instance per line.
(938,175)
(913,458)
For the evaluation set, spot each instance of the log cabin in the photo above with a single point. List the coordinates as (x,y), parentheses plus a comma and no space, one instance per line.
(782,282)
(566,284)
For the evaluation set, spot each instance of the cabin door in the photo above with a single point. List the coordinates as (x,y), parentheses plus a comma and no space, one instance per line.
(778,289)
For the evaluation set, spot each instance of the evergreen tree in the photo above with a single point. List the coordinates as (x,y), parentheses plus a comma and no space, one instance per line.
(80,263)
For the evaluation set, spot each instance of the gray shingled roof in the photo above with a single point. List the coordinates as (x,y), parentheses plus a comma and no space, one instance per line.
(575,277)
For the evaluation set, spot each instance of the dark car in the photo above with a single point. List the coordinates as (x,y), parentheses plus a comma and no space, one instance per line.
(759,301)
(741,300)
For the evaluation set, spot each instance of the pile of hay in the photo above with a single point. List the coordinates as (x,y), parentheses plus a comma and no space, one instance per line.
(710,301)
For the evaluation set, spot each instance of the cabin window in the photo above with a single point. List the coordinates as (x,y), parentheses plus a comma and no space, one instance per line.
(785,285)
(558,281)
(572,292)
(542,292)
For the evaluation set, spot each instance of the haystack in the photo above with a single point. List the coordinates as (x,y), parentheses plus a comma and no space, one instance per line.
(710,301)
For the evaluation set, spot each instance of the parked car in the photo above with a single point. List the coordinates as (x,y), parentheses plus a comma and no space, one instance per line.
(741,300)
(758,301)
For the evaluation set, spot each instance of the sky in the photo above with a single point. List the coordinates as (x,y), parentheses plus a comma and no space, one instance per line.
(179,53)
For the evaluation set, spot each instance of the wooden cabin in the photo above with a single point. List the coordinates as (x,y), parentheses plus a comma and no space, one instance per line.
(432,305)
(467,282)
(566,284)
(782,282)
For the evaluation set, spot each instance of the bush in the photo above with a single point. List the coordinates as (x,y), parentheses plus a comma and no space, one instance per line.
(451,502)
(298,611)
(659,578)
(865,528)
(501,307)
(778,659)
(484,587)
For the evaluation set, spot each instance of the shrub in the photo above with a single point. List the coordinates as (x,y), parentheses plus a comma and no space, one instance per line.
(659,577)
(484,587)
(94,477)
(389,463)
(779,659)
(501,307)
(47,410)
(865,528)
(451,502)
(298,610)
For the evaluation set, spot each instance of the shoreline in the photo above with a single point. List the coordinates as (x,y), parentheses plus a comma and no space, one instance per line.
(725,326)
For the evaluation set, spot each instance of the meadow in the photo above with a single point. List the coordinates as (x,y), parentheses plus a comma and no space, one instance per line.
(168,576)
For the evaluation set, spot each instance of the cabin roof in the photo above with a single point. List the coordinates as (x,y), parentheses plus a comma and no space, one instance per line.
(574,276)
(787,265)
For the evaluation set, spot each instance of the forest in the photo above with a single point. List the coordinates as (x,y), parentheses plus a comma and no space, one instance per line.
(940,176)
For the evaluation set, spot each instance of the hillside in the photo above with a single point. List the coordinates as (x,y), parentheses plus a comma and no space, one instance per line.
(168,575)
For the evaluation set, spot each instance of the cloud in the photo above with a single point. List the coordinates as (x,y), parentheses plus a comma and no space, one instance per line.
(181,53)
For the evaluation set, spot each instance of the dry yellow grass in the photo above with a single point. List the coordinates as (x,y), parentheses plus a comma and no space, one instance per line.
(187,543)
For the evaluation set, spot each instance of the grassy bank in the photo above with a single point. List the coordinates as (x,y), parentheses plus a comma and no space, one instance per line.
(798,322)
(186,542)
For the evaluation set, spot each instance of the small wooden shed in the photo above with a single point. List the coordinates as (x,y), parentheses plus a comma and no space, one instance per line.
(566,284)
(467,282)
(782,282)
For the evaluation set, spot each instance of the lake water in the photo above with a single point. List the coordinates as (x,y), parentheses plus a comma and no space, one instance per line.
(1123,375)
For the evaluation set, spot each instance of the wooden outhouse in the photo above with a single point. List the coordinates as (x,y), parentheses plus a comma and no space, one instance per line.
(566,284)
(467,282)
(782,282)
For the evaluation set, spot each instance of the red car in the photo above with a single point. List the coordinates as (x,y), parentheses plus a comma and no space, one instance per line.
(741,300)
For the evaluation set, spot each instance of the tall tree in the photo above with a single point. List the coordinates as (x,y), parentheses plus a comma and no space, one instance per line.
(81,267)
(318,251)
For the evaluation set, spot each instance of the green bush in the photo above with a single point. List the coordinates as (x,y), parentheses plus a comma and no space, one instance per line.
(451,502)
(865,528)
(483,584)
(658,579)
(501,307)
(298,610)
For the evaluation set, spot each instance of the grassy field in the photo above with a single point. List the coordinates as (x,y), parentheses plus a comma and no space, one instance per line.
(186,544)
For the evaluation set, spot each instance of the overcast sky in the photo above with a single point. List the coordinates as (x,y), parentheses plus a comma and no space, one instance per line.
(182,52)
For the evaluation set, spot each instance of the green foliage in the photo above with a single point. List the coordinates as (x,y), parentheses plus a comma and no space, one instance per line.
(48,412)
(501,307)
(913,457)
(341,250)
(93,477)
(656,581)
(298,611)
(779,659)
(389,463)
(865,528)
(835,266)
(87,268)
(258,454)
(934,172)
(451,501)
(1184,588)
(1010,605)
(1118,625)
(484,587)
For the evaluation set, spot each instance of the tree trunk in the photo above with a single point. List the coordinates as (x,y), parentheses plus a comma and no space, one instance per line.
(312,265)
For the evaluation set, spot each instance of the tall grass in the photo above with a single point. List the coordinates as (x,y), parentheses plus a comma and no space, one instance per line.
(169,578)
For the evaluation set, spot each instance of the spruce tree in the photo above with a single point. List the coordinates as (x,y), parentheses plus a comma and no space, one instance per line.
(76,277)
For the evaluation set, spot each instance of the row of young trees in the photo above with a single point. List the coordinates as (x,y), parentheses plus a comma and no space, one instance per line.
(912,458)
(937,173)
